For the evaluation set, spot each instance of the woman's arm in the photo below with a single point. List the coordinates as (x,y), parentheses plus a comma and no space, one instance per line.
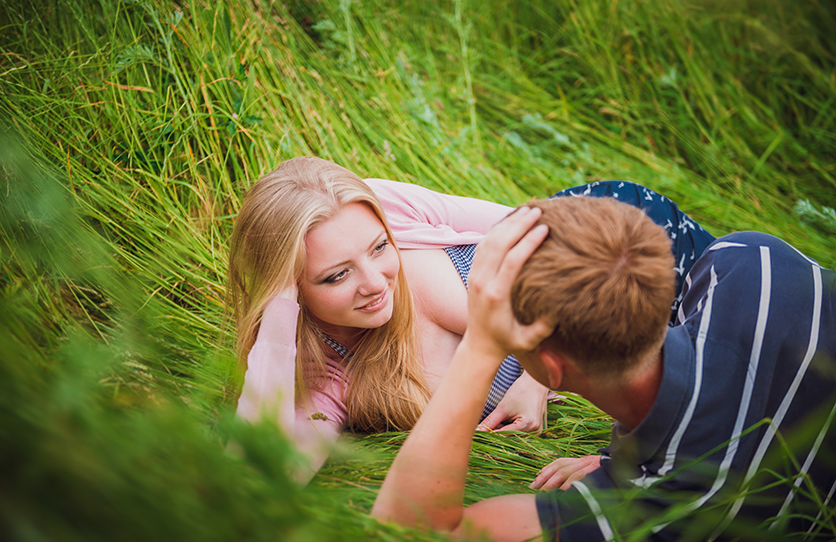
(269,388)
(269,384)
(417,214)
(422,218)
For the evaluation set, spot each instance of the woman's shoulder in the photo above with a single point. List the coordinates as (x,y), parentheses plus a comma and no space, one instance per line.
(422,218)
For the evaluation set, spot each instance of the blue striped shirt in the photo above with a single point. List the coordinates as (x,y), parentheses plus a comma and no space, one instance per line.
(747,400)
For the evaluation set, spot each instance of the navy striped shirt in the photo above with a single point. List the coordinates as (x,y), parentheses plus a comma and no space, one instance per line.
(747,400)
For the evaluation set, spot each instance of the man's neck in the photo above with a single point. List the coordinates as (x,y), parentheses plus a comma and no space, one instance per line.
(629,401)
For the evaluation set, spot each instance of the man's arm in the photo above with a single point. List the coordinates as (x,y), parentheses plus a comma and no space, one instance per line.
(425,484)
(560,473)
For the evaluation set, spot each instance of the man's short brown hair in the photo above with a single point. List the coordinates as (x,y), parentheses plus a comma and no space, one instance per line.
(604,276)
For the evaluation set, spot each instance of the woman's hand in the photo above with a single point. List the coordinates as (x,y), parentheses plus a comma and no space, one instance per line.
(274,324)
(562,472)
(524,405)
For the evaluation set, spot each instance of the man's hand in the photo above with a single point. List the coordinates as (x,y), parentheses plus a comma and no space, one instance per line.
(492,327)
(524,404)
(562,472)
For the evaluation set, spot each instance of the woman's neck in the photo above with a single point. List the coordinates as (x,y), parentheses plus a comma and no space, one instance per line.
(348,337)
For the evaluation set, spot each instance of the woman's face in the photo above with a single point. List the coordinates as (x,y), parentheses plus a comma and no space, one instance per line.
(349,279)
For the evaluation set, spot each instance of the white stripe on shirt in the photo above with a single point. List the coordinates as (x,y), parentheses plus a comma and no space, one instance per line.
(806,467)
(673,446)
(751,375)
(725,244)
(785,403)
(603,523)
(823,508)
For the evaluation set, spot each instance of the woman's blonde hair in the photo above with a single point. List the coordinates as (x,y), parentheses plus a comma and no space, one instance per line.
(387,389)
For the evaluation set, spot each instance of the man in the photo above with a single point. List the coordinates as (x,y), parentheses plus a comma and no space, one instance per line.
(587,313)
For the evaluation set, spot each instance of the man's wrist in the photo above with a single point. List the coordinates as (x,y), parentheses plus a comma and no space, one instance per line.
(487,352)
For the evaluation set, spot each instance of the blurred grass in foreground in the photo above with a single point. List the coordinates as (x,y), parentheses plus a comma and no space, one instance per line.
(79,463)
(145,120)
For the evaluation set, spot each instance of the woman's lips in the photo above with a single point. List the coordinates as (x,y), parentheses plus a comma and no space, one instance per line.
(376,304)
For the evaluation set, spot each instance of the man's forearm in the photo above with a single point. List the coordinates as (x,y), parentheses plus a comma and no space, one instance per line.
(425,484)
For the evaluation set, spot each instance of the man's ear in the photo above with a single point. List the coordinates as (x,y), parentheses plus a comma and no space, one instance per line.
(555,365)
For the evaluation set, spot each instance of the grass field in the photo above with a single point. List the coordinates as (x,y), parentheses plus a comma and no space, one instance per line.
(130,130)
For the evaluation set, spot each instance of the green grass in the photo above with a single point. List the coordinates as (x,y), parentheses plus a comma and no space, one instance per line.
(142,122)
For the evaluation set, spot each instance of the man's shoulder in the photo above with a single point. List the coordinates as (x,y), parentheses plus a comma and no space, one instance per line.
(754,245)
(743,258)
(736,275)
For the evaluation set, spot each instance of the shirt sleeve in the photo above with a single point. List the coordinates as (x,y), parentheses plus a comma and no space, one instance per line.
(593,509)
(270,381)
(422,218)
(326,403)
(570,514)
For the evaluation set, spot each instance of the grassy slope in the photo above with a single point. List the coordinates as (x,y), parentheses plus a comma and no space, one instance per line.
(157,116)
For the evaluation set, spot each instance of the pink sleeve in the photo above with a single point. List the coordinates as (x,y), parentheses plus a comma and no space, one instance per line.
(269,384)
(327,402)
(422,218)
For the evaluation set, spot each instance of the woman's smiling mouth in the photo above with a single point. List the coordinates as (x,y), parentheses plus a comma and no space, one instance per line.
(376,304)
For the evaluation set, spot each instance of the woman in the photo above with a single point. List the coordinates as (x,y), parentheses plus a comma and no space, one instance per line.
(350,298)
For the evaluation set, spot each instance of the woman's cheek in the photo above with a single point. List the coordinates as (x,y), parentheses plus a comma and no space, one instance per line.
(340,298)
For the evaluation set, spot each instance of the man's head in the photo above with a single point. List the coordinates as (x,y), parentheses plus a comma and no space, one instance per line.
(605,277)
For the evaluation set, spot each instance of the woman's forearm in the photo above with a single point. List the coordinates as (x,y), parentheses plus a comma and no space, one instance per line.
(270,381)
(269,390)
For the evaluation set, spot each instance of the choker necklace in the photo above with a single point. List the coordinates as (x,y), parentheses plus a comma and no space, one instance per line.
(344,352)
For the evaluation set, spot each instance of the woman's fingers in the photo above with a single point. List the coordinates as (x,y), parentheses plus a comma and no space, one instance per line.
(290,292)
(493,421)
(520,423)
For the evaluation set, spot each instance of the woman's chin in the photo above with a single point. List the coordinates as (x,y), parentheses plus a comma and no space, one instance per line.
(381,318)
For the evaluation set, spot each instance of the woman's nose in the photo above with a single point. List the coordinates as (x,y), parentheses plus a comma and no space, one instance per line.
(373,281)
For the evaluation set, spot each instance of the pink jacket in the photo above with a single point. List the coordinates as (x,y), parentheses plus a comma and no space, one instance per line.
(419,219)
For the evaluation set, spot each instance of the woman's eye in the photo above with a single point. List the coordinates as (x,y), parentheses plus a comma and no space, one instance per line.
(336,277)
(381,246)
